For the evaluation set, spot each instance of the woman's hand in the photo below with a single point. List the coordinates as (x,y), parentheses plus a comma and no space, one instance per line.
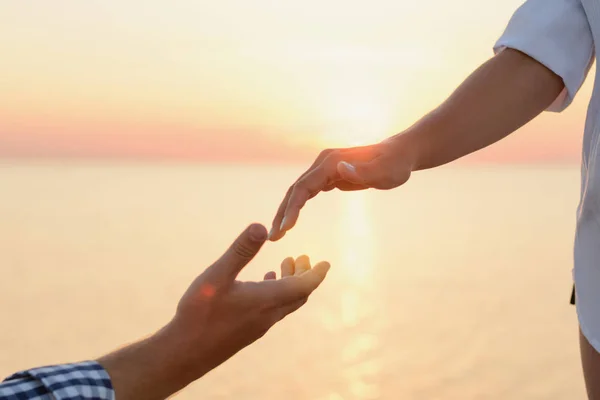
(381,166)
(499,97)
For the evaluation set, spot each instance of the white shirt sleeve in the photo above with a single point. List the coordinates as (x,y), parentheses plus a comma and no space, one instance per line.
(557,34)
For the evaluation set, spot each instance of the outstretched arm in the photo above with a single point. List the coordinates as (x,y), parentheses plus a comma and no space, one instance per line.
(217,317)
(548,48)
(499,97)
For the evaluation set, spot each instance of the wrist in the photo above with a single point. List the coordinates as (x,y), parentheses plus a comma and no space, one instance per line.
(155,367)
(179,358)
(405,149)
(182,346)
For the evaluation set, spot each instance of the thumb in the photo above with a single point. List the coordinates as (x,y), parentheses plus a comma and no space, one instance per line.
(348,172)
(238,255)
(364,173)
(379,173)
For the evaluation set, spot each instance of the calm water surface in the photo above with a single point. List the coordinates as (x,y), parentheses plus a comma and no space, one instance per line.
(455,286)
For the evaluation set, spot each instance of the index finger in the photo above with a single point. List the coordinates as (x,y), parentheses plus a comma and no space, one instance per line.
(275,232)
(321,175)
(306,188)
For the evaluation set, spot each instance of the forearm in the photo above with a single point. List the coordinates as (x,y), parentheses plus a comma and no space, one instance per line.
(151,369)
(498,98)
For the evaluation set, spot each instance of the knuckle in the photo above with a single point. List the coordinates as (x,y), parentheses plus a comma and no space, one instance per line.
(299,186)
(332,158)
(290,190)
(243,250)
(300,194)
(325,153)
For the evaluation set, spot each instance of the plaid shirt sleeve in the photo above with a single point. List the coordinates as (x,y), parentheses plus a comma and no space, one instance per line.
(81,381)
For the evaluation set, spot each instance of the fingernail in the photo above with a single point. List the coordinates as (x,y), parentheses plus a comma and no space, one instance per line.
(270,235)
(348,166)
(258,232)
(283,222)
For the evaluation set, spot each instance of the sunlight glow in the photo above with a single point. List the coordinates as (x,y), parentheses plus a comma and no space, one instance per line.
(280,79)
(357,121)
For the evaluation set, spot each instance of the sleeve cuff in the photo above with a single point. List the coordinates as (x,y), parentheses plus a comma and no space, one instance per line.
(86,380)
(563,100)
(557,34)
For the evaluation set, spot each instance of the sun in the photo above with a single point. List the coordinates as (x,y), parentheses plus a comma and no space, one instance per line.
(356,121)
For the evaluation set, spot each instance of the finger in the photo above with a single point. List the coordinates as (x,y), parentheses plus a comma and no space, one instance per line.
(344,186)
(378,173)
(243,249)
(315,276)
(275,233)
(270,276)
(329,187)
(347,186)
(307,188)
(294,288)
(372,174)
(311,183)
(348,173)
(287,267)
(302,265)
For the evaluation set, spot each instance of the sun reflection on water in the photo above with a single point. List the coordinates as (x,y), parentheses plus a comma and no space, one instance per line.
(358,298)
(356,231)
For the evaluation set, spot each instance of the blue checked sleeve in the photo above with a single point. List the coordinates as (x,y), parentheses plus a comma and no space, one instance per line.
(81,381)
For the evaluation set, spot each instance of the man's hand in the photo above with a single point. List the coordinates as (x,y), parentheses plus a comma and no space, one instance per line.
(380,166)
(217,317)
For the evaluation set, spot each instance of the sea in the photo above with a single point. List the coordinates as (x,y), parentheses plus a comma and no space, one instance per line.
(454,286)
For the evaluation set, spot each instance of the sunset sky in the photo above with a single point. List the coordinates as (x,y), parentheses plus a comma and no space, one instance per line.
(241,80)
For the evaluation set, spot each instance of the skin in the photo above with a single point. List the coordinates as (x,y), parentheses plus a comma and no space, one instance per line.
(499,97)
(590,360)
(217,317)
